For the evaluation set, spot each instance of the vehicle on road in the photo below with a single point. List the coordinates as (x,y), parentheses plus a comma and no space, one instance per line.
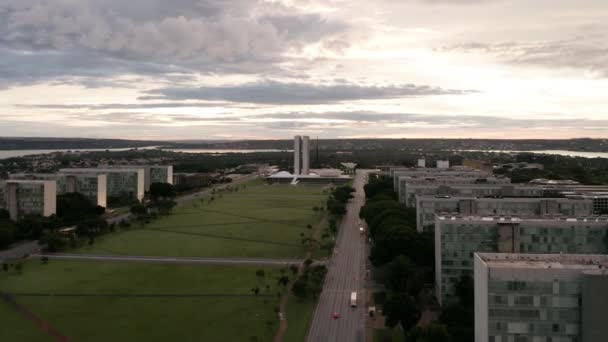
(353,299)
(336,315)
(361,230)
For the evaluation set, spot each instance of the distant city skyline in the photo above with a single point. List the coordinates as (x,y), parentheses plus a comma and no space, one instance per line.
(271,69)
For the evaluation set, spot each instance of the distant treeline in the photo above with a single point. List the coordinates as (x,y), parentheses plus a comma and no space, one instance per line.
(589,145)
(66,143)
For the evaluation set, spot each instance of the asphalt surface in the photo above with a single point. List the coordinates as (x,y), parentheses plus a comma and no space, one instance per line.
(346,274)
(169,260)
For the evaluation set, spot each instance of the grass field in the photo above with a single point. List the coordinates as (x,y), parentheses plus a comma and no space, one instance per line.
(299,316)
(257,221)
(102,301)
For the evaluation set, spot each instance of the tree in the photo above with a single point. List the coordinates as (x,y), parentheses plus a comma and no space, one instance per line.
(7,233)
(300,288)
(256,291)
(294,269)
(53,241)
(403,276)
(75,207)
(162,191)
(400,308)
(284,280)
(139,210)
(260,273)
(431,333)
(336,207)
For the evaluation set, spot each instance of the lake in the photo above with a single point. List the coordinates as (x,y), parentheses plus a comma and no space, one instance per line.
(556,152)
(22,153)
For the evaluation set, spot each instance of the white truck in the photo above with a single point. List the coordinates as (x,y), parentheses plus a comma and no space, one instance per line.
(353,299)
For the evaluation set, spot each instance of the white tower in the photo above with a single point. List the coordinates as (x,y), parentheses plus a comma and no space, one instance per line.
(296,155)
(305,155)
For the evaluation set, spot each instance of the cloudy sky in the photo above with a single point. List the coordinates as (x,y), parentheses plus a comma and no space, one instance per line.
(234,69)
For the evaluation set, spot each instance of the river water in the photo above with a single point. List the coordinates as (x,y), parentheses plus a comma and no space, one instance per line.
(21,153)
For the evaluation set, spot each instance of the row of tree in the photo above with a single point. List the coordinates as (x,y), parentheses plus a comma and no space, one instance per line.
(404,261)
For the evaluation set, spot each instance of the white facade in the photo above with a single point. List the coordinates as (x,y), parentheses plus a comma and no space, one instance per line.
(422,163)
(443,164)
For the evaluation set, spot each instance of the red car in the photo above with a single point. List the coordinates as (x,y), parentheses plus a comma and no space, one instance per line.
(336,315)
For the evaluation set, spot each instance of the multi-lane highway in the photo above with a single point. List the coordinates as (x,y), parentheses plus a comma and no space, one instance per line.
(346,275)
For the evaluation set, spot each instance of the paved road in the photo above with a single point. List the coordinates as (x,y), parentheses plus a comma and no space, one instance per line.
(32,247)
(19,251)
(346,274)
(170,260)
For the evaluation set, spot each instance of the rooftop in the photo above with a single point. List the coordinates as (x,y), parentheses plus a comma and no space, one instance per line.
(586,219)
(561,261)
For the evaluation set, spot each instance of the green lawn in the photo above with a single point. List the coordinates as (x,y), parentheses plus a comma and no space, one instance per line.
(209,303)
(258,221)
(17,328)
(299,316)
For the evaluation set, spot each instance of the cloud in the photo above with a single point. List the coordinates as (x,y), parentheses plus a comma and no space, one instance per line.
(42,40)
(586,52)
(273,92)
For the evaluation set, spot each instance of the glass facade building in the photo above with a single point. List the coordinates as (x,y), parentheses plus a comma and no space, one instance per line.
(458,238)
(429,206)
(540,298)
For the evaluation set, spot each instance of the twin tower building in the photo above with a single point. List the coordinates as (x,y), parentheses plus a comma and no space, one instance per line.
(301,155)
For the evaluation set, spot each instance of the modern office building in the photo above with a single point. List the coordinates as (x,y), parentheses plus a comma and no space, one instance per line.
(28,198)
(429,206)
(152,173)
(471,189)
(305,155)
(93,186)
(301,155)
(539,298)
(120,182)
(405,194)
(297,153)
(463,172)
(457,238)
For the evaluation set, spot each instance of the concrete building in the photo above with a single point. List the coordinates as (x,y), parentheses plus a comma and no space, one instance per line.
(438,180)
(429,206)
(92,186)
(28,198)
(192,180)
(121,182)
(539,298)
(152,173)
(457,238)
(297,153)
(305,155)
(463,172)
(494,187)
(422,163)
(443,164)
